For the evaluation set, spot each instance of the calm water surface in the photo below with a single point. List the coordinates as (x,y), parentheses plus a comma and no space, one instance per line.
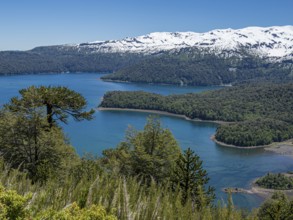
(226,166)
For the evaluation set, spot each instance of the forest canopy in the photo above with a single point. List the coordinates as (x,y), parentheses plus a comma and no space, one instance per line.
(278,181)
(259,113)
(193,67)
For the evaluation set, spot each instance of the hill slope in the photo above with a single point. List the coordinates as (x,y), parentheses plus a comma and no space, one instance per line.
(192,67)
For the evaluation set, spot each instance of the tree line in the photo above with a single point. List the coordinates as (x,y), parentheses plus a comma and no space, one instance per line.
(255,132)
(276,181)
(261,112)
(58,59)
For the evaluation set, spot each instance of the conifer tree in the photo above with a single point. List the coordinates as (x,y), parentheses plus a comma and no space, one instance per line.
(29,141)
(26,144)
(190,176)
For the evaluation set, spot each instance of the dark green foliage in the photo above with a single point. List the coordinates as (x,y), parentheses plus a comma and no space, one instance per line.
(59,103)
(193,67)
(149,154)
(276,208)
(59,59)
(190,176)
(254,133)
(251,103)
(153,155)
(30,140)
(276,181)
(27,144)
(239,103)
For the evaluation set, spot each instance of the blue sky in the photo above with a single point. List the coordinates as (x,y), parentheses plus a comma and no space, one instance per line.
(25,24)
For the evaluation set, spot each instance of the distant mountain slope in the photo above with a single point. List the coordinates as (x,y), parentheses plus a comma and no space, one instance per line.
(188,58)
(274,41)
(192,67)
(58,59)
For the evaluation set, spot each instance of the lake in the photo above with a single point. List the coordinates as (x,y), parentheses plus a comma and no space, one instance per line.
(225,166)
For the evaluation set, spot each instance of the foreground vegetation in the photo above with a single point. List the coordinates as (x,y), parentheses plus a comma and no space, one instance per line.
(88,187)
(145,177)
(277,181)
(261,113)
(107,197)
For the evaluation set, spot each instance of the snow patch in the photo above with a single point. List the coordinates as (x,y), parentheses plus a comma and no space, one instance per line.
(276,41)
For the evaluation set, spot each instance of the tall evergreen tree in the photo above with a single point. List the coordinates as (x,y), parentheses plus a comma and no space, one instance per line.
(26,144)
(190,176)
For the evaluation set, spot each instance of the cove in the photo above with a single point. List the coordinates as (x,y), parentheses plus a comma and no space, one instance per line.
(225,166)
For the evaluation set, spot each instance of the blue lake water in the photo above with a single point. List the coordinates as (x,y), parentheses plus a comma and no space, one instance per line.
(226,166)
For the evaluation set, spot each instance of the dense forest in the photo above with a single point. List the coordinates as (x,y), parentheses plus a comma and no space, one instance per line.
(189,66)
(255,132)
(145,177)
(276,181)
(261,112)
(200,68)
(58,59)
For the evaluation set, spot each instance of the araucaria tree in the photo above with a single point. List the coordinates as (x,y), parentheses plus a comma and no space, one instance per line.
(58,102)
(30,140)
(27,144)
(190,176)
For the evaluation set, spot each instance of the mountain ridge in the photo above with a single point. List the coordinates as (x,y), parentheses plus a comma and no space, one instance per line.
(218,53)
(272,42)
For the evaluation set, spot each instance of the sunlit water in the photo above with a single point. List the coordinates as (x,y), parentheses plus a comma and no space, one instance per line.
(226,166)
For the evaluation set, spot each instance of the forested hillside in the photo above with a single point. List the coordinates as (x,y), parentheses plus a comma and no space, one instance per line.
(57,59)
(263,112)
(187,66)
(193,67)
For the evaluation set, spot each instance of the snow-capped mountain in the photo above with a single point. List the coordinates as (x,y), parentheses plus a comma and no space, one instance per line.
(276,41)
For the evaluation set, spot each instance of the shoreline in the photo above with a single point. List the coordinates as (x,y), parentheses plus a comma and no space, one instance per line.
(257,190)
(166,84)
(284,148)
(213,138)
(50,73)
(162,113)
